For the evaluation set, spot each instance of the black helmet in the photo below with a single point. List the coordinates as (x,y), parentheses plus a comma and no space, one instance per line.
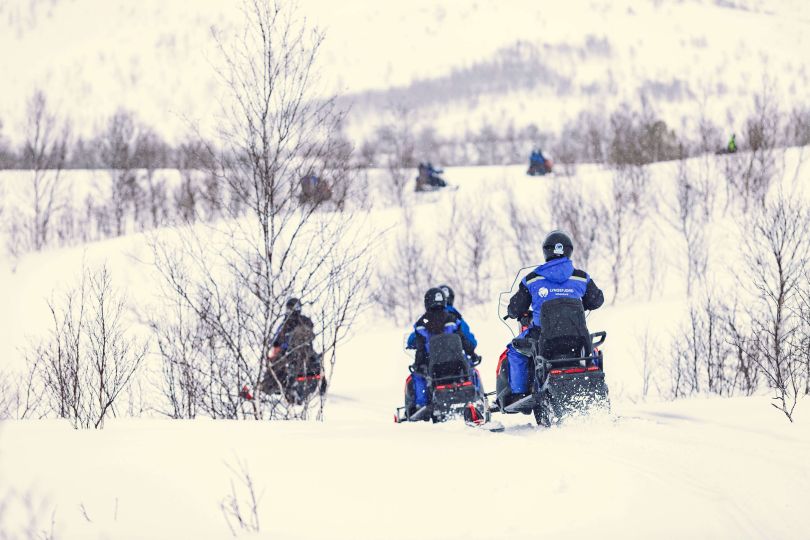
(448,293)
(557,244)
(293,304)
(435,299)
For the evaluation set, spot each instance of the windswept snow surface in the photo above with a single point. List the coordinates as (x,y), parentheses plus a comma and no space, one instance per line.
(691,469)
(699,468)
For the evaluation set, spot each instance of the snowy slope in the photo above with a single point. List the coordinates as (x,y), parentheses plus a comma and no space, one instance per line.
(705,468)
(696,469)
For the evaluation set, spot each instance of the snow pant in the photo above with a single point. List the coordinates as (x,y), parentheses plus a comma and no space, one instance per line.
(513,373)
(518,372)
(416,389)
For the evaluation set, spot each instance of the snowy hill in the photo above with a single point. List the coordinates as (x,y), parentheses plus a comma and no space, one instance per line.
(660,465)
(713,468)
(460,65)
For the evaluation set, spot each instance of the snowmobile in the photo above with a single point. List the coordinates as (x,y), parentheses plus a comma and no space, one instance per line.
(302,385)
(299,384)
(540,165)
(566,367)
(451,382)
(429,178)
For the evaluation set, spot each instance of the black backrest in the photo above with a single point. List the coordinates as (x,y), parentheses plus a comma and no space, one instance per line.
(564,331)
(447,358)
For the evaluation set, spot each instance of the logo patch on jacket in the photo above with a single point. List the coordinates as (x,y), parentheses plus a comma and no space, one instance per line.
(543,292)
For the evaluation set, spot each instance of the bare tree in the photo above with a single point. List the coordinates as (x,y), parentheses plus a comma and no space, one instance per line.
(88,359)
(8,397)
(466,248)
(398,147)
(580,216)
(116,151)
(526,225)
(622,219)
(750,174)
(650,354)
(693,216)
(401,284)
(702,353)
(151,153)
(779,251)
(233,277)
(44,153)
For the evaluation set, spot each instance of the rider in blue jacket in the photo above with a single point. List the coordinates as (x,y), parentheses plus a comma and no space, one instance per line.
(436,320)
(557,278)
(465,328)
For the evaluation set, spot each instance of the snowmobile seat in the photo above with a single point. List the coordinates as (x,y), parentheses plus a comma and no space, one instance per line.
(447,363)
(564,330)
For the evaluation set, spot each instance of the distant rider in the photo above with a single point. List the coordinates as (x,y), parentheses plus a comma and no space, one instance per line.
(732,144)
(292,350)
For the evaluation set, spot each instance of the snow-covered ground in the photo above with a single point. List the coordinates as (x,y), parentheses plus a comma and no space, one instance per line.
(704,468)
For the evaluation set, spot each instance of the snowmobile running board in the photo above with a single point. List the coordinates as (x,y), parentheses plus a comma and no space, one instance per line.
(521,405)
(415,417)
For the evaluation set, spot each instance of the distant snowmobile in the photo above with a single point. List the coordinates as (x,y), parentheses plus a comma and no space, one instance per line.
(539,164)
(429,178)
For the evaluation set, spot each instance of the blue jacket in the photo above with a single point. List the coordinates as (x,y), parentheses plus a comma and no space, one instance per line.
(433,323)
(463,327)
(555,279)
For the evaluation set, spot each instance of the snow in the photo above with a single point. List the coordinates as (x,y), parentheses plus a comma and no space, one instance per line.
(709,468)
(703,467)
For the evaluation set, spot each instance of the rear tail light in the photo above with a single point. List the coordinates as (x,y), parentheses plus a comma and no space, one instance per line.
(572,371)
(308,378)
(453,385)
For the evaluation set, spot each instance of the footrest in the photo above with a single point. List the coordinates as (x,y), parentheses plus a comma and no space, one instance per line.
(522,405)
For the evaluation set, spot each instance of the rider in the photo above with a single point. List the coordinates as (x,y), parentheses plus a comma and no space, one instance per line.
(732,144)
(537,162)
(557,278)
(292,348)
(436,320)
(465,328)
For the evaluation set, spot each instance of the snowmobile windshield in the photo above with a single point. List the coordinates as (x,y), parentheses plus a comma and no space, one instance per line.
(556,270)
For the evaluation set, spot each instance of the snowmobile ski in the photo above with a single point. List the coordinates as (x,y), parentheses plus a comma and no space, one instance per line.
(493,425)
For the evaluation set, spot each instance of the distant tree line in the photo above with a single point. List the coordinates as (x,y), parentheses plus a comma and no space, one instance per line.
(121,141)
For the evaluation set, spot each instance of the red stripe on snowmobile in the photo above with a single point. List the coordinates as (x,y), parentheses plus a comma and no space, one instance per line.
(572,370)
(500,361)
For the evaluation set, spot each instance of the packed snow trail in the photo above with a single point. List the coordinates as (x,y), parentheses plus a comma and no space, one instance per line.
(699,469)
